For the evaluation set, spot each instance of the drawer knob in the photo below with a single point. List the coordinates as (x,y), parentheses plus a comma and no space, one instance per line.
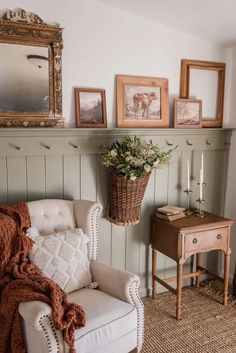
(219,236)
(194,240)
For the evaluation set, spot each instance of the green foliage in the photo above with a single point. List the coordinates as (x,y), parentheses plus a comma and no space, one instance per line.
(134,157)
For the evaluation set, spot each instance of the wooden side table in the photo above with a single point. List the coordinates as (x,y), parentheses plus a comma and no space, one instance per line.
(185,237)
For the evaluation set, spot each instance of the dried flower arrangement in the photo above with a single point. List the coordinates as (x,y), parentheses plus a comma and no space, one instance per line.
(133,158)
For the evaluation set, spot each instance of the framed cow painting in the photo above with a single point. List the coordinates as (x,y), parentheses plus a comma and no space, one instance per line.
(142,102)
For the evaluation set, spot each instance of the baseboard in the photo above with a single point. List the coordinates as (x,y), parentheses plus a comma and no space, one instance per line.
(231,276)
(144,292)
(147,292)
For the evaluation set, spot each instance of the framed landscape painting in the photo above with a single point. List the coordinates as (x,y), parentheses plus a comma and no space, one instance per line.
(142,102)
(188,113)
(90,107)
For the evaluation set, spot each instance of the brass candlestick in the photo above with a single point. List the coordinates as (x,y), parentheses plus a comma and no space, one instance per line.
(199,211)
(188,193)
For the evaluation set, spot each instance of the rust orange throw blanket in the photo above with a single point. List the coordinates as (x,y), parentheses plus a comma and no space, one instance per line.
(21,280)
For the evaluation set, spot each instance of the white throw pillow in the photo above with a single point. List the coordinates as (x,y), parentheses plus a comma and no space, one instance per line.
(63,257)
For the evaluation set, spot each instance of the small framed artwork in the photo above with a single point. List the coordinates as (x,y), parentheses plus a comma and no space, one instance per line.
(142,102)
(90,108)
(188,113)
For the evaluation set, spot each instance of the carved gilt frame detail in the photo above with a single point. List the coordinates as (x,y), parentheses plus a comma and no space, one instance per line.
(26,28)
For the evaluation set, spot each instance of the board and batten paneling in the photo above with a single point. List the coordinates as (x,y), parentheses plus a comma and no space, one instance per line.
(66,163)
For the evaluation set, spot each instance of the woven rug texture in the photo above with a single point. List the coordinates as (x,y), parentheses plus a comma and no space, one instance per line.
(206,325)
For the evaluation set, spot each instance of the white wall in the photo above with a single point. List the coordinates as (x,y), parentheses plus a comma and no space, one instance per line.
(101,41)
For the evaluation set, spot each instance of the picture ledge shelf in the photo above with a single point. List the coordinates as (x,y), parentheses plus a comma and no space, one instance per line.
(5,132)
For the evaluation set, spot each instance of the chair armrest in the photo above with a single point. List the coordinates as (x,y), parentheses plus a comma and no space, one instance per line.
(116,282)
(86,215)
(39,328)
(32,312)
(124,286)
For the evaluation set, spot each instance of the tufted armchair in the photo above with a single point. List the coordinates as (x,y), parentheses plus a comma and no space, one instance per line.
(114,311)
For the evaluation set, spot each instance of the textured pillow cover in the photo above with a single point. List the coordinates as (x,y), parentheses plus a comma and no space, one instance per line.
(63,257)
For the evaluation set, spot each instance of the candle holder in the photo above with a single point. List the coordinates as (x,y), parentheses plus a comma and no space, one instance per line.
(199,211)
(188,193)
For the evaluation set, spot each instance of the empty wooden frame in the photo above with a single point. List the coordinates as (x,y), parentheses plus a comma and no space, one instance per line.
(215,118)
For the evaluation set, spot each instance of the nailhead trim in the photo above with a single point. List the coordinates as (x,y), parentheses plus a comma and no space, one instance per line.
(96,211)
(133,289)
(44,330)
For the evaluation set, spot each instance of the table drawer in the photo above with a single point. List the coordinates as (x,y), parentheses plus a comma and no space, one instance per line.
(215,239)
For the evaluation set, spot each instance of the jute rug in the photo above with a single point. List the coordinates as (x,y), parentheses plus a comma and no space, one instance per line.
(206,325)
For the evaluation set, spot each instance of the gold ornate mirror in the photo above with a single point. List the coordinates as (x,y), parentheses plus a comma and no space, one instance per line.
(30,71)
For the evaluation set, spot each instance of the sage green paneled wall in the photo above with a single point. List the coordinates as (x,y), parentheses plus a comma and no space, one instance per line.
(66,163)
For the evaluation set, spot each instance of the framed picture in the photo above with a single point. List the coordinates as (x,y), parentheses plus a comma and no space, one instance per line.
(142,102)
(206,81)
(90,107)
(188,113)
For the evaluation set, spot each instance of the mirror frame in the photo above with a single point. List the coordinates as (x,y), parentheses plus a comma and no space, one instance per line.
(26,28)
(186,66)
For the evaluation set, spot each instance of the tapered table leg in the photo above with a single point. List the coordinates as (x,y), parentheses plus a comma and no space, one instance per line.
(226,278)
(198,260)
(179,290)
(234,282)
(154,272)
(192,270)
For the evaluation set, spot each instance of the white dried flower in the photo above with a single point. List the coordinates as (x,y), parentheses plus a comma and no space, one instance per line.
(147,168)
(133,177)
(128,158)
(155,164)
(113,153)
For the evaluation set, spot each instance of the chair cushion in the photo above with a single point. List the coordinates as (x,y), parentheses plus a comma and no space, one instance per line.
(52,216)
(63,257)
(107,319)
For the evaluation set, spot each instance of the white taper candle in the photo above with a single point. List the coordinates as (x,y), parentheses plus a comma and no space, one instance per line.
(201,182)
(202,166)
(188,175)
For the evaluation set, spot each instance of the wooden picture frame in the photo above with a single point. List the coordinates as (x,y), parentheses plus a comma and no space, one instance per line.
(187,113)
(142,102)
(186,67)
(90,107)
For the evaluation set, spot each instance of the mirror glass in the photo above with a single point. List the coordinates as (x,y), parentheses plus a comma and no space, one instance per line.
(204,86)
(24,79)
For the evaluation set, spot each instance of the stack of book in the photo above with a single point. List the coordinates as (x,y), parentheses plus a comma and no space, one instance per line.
(170,213)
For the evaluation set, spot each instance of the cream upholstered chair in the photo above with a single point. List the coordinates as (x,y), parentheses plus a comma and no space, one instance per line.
(114,311)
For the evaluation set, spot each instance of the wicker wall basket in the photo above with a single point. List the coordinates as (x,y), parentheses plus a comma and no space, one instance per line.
(124,199)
